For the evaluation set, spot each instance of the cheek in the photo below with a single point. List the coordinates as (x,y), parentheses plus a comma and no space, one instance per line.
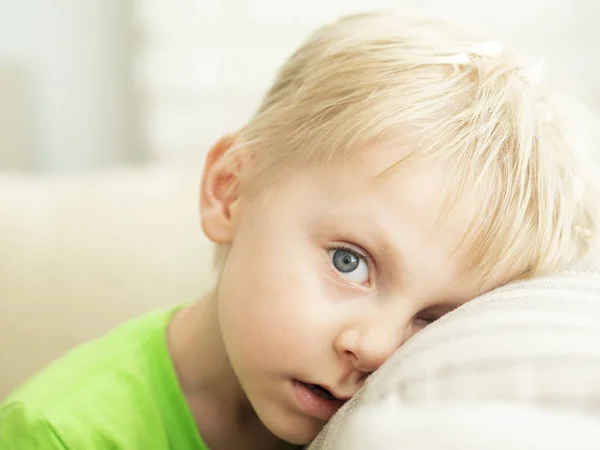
(268,303)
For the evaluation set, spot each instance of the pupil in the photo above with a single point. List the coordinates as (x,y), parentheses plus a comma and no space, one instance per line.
(345,261)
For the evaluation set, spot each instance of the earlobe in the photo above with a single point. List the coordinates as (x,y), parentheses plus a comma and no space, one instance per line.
(220,190)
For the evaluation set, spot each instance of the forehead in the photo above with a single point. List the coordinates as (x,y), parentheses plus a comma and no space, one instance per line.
(402,211)
(383,186)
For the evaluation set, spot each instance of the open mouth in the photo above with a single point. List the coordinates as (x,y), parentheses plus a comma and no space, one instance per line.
(320,391)
(315,400)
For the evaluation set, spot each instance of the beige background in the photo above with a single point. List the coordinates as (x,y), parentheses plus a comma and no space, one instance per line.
(86,85)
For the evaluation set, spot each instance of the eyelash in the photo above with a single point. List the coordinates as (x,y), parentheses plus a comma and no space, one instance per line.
(361,254)
(428,320)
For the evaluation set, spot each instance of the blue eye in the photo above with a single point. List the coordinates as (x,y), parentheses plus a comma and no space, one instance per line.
(345,261)
(350,265)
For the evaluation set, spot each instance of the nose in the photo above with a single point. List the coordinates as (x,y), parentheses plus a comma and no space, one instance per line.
(367,344)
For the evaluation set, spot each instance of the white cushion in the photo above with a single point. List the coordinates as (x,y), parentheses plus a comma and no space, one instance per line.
(393,425)
(533,343)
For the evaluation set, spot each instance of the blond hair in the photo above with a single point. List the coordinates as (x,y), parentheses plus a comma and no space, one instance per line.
(454,96)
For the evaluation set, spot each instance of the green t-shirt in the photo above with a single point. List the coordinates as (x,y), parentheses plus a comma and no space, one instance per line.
(117,392)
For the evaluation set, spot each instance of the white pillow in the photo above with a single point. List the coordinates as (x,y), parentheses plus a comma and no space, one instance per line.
(532,343)
(392,425)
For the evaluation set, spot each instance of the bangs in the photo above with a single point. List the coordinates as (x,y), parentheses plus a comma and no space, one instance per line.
(516,158)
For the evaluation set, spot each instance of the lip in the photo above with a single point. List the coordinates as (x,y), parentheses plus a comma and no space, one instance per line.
(313,405)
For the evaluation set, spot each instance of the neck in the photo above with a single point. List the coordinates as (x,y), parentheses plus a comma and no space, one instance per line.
(223,414)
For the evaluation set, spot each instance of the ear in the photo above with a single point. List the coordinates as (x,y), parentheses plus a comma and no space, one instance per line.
(220,190)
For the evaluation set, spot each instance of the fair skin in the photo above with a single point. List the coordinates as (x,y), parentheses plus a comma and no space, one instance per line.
(326,277)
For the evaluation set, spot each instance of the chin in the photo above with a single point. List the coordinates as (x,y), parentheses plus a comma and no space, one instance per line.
(299,430)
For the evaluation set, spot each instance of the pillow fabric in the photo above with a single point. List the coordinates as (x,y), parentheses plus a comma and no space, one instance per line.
(392,425)
(534,343)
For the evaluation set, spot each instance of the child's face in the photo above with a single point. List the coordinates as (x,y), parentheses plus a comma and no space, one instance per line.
(325,280)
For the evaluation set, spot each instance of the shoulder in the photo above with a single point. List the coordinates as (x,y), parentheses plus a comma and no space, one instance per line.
(100,393)
(22,428)
(98,369)
(25,426)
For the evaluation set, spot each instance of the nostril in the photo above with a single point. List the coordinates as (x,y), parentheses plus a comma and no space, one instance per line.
(351,356)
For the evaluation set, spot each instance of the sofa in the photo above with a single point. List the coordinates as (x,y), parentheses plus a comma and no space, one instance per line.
(518,368)
(81,253)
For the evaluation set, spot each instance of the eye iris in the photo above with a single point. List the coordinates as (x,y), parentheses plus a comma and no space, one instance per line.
(345,261)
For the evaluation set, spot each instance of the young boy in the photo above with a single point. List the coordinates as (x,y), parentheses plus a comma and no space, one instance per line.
(398,167)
